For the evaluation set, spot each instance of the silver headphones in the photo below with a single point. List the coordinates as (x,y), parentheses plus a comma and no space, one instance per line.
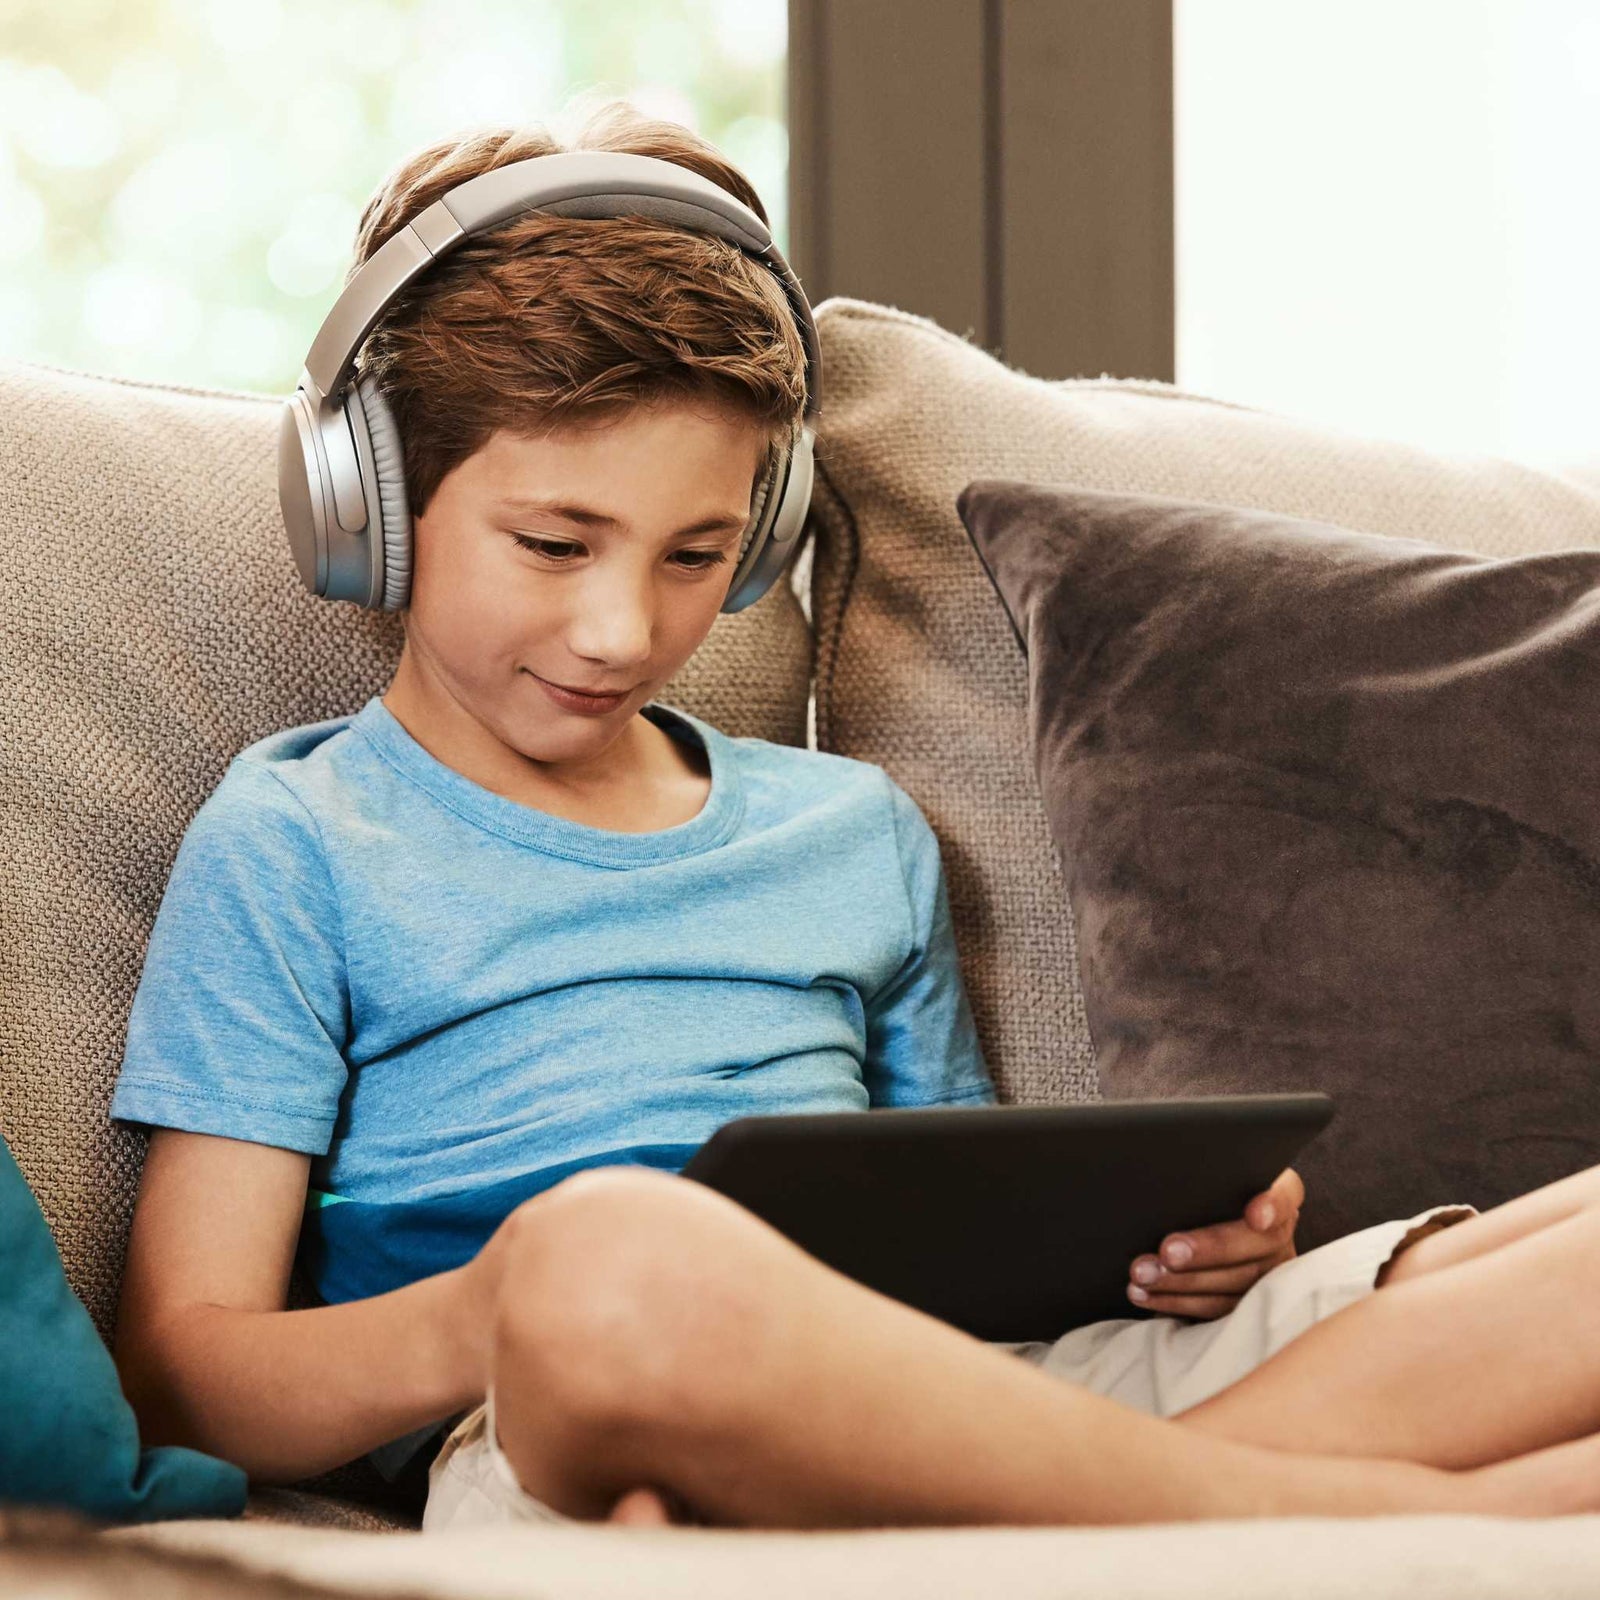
(341,477)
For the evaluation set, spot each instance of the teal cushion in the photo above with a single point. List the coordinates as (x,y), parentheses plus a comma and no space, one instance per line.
(67,1435)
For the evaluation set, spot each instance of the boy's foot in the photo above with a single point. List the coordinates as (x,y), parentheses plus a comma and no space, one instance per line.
(642,1508)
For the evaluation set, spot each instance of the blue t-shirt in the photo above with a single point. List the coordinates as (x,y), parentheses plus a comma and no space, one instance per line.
(452,1000)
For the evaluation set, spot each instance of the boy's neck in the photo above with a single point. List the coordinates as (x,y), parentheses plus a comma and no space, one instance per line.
(644,774)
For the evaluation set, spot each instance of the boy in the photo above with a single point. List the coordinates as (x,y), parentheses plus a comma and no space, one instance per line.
(421,972)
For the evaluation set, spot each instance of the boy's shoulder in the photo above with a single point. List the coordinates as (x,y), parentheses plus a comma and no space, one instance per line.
(822,768)
(818,774)
(796,759)
(289,747)
(283,775)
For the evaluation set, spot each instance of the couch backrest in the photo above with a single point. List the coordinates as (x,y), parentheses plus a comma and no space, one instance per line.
(917,668)
(151,626)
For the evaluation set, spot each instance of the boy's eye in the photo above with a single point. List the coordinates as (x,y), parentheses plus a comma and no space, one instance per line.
(555,549)
(559,550)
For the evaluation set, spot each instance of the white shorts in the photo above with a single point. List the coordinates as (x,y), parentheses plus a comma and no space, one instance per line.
(1161,1365)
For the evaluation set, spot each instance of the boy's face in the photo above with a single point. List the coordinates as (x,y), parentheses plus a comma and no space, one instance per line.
(616,601)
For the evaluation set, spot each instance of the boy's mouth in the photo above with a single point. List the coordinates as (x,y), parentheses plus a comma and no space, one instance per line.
(587,699)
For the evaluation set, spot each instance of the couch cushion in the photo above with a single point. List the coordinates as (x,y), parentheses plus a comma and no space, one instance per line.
(151,625)
(1332,1558)
(1326,803)
(916,666)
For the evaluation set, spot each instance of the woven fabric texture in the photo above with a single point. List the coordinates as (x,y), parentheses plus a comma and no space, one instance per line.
(917,668)
(152,625)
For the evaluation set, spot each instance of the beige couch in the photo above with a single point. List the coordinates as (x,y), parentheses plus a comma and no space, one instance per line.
(152,625)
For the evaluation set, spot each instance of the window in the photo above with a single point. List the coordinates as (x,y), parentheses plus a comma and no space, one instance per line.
(1385,219)
(180,180)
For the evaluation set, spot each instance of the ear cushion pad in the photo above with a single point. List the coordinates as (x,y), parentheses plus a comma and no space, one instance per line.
(394,512)
(763,509)
(758,507)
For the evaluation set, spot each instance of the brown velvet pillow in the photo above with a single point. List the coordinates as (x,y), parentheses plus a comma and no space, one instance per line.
(1327,805)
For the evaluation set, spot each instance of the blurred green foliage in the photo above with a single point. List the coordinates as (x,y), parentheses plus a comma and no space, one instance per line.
(180,180)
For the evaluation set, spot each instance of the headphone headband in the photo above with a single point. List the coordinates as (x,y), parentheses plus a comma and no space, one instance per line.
(572,183)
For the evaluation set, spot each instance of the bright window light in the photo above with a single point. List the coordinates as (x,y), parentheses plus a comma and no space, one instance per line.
(1386,219)
(181,180)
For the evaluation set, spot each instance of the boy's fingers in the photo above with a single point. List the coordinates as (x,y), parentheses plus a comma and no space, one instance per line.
(1221,1280)
(1202,1307)
(1224,1244)
(1276,1207)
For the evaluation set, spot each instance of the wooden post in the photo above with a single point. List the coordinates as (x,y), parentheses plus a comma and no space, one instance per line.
(1002,166)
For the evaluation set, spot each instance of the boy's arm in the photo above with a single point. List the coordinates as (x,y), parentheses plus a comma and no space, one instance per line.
(234,1057)
(210,1358)
(922,1045)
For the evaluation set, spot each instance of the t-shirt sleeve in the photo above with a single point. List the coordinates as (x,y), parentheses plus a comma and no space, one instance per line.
(922,1047)
(241,1015)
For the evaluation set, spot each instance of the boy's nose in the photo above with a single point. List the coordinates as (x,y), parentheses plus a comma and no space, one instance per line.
(612,628)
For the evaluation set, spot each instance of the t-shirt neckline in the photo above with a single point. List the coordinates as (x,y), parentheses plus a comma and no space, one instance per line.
(561,836)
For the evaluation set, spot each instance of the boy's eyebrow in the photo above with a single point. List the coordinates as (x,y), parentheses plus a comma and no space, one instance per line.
(589,517)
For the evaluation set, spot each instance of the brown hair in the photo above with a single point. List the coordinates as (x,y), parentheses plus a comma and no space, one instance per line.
(549,322)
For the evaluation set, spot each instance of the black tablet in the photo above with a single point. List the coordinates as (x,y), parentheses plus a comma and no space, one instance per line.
(1012,1222)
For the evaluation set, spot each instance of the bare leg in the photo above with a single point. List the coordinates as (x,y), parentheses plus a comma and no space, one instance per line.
(1517,1218)
(1478,1349)
(652,1333)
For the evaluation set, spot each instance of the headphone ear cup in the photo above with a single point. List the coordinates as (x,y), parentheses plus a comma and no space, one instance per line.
(783,502)
(394,511)
(763,507)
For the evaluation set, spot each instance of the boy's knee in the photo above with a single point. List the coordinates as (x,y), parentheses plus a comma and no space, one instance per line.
(605,1305)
